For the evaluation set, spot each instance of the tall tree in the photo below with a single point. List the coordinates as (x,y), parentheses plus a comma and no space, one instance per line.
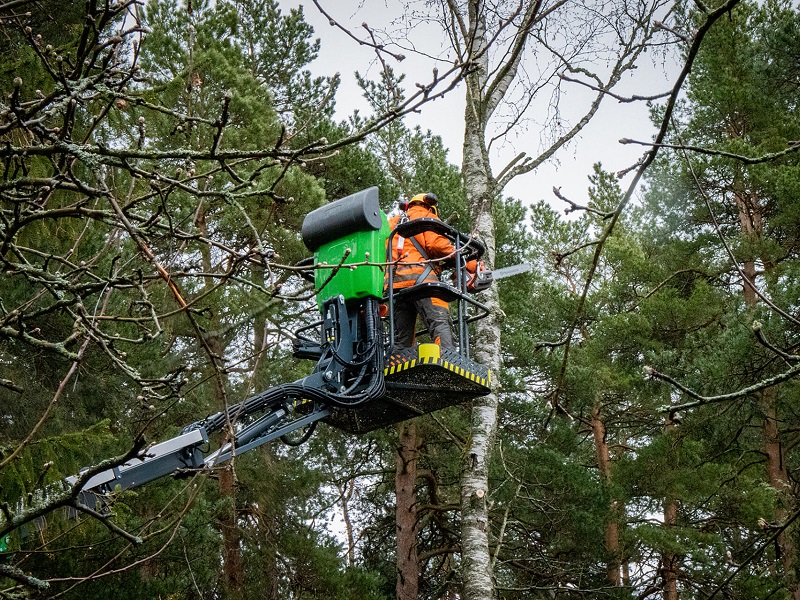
(498,41)
(740,116)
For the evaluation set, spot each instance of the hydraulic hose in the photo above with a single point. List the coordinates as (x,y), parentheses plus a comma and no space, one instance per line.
(310,388)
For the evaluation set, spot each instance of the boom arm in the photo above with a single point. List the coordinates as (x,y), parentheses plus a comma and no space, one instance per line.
(188,451)
(349,372)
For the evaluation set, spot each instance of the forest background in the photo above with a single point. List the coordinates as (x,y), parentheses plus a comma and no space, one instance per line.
(158,160)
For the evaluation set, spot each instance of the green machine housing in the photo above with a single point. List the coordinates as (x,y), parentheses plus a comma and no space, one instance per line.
(351,231)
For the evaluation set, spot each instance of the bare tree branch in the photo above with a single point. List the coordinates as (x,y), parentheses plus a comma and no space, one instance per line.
(793,146)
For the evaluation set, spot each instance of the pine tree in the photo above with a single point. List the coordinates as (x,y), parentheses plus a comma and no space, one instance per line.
(723,217)
(137,239)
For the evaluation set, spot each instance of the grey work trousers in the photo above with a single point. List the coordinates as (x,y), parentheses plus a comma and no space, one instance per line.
(436,319)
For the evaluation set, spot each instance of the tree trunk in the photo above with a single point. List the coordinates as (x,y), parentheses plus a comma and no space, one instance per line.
(487,86)
(750,213)
(481,191)
(476,570)
(268,525)
(778,478)
(669,566)
(669,560)
(346,492)
(612,526)
(407,586)
(232,562)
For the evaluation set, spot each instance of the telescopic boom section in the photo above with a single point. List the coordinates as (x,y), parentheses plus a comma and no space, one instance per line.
(352,346)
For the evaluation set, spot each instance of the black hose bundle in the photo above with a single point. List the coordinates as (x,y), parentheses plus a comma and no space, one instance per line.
(370,363)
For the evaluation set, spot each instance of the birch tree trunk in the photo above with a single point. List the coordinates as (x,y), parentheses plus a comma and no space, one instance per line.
(490,38)
(480,193)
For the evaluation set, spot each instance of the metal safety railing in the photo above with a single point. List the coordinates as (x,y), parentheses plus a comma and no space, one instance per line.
(466,248)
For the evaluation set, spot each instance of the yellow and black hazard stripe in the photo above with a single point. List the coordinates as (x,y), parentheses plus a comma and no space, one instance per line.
(430,354)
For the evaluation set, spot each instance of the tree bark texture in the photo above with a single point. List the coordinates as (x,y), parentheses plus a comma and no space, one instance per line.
(612,526)
(407,586)
(481,191)
(477,578)
(750,211)
(669,560)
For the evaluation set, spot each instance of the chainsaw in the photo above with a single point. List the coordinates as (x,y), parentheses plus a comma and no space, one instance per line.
(483,277)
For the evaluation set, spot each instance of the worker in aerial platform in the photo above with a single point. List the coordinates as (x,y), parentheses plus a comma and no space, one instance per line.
(415,263)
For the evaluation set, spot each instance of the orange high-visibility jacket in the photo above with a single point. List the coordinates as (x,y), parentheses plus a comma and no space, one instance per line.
(411,264)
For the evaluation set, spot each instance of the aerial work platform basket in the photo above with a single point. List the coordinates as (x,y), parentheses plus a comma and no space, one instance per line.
(347,237)
(418,381)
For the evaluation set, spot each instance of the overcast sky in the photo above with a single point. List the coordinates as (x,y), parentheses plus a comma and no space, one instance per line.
(570,169)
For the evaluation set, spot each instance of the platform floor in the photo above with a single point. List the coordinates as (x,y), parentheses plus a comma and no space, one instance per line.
(418,381)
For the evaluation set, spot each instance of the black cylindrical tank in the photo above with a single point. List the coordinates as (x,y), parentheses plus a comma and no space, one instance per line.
(357,212)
